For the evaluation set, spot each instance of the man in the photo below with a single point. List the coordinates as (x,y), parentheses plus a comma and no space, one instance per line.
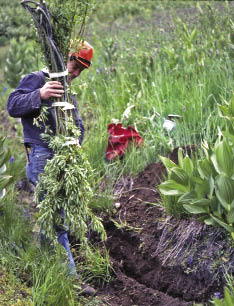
(25,102)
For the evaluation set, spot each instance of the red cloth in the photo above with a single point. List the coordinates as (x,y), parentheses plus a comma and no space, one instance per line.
(119,139)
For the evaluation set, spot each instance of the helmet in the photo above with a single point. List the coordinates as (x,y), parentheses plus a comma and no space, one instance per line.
(83,54)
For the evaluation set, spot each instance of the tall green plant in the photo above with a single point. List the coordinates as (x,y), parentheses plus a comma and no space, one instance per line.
(206,187)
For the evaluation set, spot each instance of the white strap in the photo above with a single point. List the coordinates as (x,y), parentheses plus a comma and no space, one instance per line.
(71,142)
(58,74)
(63,104)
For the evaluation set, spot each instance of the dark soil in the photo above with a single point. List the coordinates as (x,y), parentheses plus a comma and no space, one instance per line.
(142,276)
(157,260)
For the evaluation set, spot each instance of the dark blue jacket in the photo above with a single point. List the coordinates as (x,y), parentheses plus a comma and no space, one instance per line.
(25,103)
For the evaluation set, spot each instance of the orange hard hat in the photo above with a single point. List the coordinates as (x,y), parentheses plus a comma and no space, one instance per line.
(83,54)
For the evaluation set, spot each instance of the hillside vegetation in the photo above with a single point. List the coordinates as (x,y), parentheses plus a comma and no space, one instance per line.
(152,59)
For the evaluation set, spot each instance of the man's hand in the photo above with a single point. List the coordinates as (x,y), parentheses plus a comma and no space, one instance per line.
(51,89)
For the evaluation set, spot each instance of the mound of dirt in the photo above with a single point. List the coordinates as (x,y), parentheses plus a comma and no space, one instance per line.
(157,259)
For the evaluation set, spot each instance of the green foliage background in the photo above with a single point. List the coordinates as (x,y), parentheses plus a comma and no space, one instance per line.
(13,22)
(68,19)
(149,57)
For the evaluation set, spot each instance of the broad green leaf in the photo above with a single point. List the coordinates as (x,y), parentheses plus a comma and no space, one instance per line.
(2,139)
(223,111)
(232,204)
(188,166)
(215,206)
(195,209)
(205,168)
(228,135)
(231,106)
(167,163)
(219,211)
(188,197)
(231,129)
(201,218)
(2,193)
(206,148)
(3,169)
(179,176)
(212,187)
(4,181)
(198,180)
(170,187)
(228,298)
(223,159)
(4,157)
(202,202)
(201,187)
(229,228)
(209,221)
(224,188)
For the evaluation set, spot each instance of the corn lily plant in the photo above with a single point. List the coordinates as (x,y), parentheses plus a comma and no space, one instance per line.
(206,187)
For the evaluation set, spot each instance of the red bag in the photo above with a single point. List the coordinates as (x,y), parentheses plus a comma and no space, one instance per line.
(119,139)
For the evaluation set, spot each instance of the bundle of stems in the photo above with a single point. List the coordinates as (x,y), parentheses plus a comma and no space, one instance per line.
(64,189)
(55,35)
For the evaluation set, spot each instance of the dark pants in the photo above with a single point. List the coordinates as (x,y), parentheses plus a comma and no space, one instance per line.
(37,161)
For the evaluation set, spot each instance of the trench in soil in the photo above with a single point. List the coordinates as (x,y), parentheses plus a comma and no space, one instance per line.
(134,266)
(133,236)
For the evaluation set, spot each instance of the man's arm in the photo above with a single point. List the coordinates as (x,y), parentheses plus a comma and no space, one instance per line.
(27,98)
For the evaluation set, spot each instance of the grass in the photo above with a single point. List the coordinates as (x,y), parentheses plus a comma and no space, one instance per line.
(13,292)
(228,297)
(3,52)
(35,276)
(147,60)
